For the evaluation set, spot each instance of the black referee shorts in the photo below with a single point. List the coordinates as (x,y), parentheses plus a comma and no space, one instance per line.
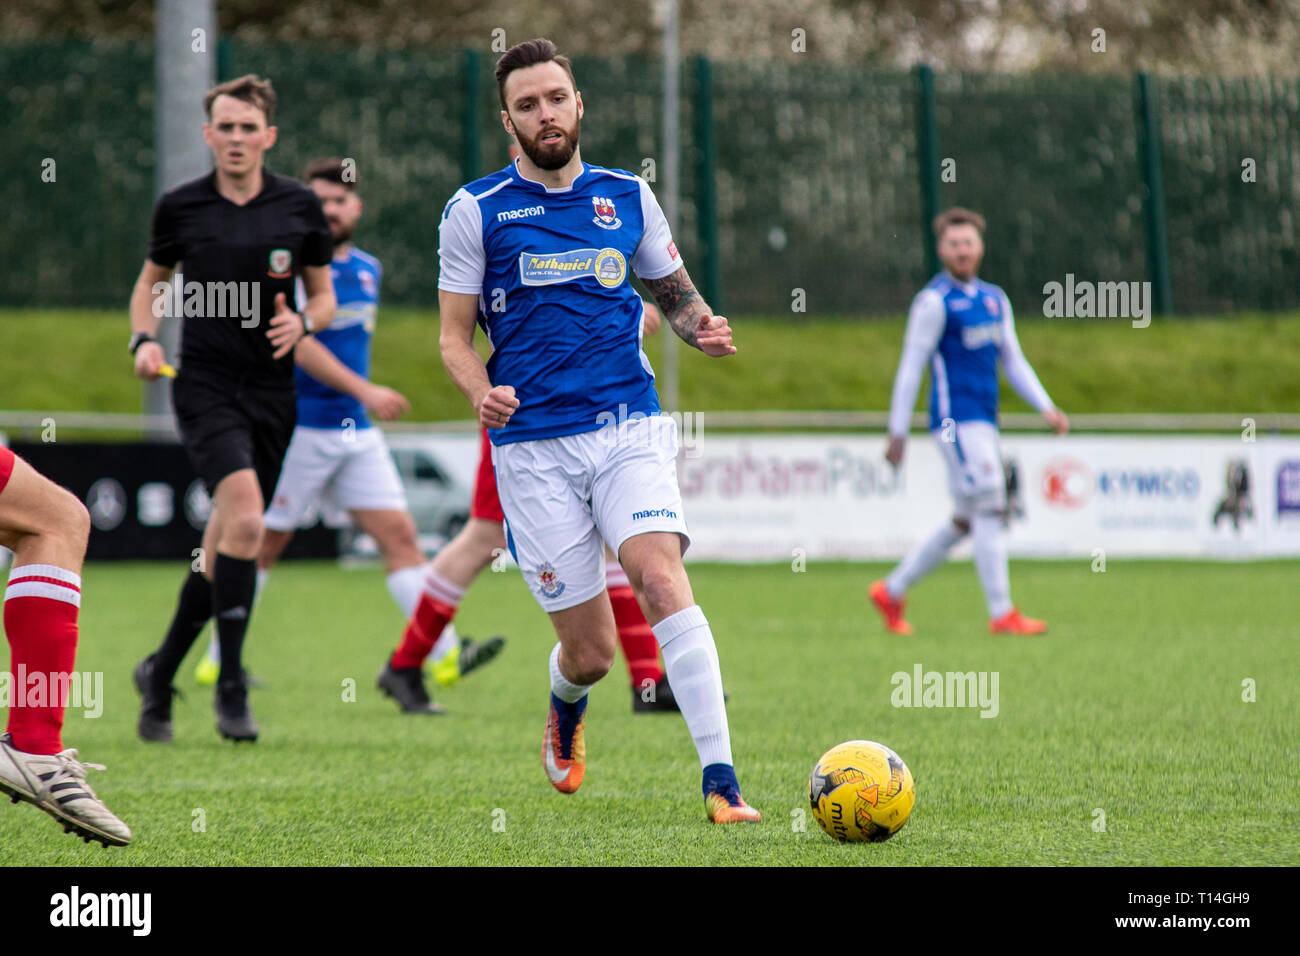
(227,426)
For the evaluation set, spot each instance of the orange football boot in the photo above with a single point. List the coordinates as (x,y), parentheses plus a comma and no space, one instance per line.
(890,609)
(1013,622)
(730,808)
(564,755)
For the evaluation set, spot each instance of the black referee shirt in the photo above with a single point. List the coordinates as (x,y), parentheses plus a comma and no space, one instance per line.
(262,245)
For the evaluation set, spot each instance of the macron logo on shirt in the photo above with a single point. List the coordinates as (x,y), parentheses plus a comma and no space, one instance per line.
(527,212)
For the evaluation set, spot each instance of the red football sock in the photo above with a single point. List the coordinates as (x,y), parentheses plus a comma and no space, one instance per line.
(638,640)
(431,616)
(40,617)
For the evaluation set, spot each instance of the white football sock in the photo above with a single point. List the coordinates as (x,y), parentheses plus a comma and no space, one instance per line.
(923,559)
(561,686)
(691,663)
(446,642)
(405,585)
(991,561)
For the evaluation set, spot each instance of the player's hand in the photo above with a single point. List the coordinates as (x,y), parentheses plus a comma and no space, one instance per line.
(1056,418)
(497,406)
(652,320)
(713,336)
(387,404)
(286,327)
(894,453)
(149,358)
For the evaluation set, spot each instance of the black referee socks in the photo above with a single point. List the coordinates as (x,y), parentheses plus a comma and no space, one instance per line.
(193,609)
(234,582)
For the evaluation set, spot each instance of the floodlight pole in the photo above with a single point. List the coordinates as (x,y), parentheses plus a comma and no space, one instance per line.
(185,67)
(668,193)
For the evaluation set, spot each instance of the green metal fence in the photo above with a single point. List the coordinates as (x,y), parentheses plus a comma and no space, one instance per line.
(806,185)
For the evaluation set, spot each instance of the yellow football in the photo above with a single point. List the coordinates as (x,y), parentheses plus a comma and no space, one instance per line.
(861,791)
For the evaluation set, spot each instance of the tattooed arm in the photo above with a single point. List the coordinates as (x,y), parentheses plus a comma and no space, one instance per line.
(685,310)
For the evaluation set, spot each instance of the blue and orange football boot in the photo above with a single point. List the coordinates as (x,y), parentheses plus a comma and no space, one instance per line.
(564,752)
(722,800)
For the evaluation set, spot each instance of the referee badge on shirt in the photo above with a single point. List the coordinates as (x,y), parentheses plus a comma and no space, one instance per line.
(281,260)
(605,217)
(550,581)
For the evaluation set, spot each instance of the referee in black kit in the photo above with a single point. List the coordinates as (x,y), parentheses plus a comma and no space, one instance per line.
(241,235)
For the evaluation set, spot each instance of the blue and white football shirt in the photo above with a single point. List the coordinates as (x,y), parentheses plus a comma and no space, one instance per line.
(356,287)
(964,379)
(551,268)
(962,330)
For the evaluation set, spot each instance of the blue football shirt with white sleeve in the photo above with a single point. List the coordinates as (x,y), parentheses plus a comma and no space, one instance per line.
(552,270)
(356,280)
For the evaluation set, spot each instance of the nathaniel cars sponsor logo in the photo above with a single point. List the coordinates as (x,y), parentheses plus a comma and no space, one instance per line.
(978,336)
(607,266)
(1066,483)
(527,212)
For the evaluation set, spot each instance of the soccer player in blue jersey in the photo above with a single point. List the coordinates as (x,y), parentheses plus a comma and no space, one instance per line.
(336,461)
(962,327)
(540,254)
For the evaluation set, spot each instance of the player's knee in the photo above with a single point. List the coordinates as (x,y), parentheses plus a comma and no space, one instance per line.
(74,520)
(398,537)
(592,662)
(659,589)
(242,531)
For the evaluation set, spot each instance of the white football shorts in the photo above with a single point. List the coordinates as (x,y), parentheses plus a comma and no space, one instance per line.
(973,454)
(565,497)
(332,471)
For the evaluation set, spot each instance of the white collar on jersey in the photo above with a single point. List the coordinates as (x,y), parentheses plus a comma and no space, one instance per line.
(970,288)
(558,189)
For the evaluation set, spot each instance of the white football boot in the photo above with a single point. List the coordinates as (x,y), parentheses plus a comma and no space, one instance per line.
(56,783)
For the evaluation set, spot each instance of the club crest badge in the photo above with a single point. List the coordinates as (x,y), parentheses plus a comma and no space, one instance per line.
(281,260)
(606,217)
(552,586)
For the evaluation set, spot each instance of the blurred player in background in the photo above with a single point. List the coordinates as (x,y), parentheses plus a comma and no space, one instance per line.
(243,234)
(336,458)
(483,539)
(46,527)
(540,254)
(962,327)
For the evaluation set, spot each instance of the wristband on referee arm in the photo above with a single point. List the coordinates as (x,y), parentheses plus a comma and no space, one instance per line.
(138,339)
(306,324)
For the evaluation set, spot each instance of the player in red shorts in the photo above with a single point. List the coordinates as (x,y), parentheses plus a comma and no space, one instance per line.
(483,538)
(46,527)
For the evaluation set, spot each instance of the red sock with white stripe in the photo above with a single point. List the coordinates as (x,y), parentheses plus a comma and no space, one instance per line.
(640,648)
(438,603)
(40,616)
